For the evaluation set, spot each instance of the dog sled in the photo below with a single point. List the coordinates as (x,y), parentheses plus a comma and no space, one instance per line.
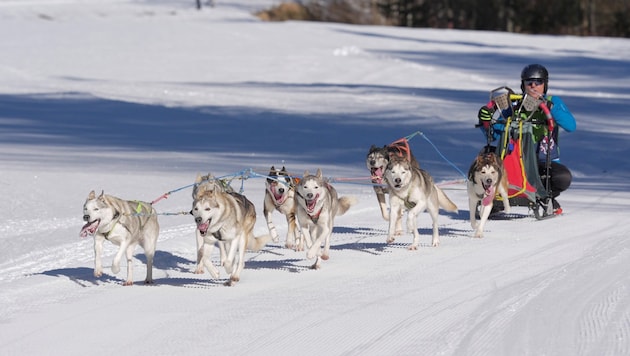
(527,186)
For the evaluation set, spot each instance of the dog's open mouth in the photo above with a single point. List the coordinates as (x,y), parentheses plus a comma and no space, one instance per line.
(203,227)
(310,204)
(377,175)
(89,228)
(279,197)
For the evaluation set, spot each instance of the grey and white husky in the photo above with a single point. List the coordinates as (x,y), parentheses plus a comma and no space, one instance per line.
(317,206)
(124,223)
(412,189)
(228,219)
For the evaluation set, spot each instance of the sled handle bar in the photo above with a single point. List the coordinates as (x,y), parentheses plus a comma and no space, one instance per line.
(543,106)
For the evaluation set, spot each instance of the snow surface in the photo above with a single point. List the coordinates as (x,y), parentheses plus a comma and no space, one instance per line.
(137,97)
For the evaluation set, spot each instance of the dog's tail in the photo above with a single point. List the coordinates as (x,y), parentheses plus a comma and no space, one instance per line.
(256,243)
(344,204)
(445,203)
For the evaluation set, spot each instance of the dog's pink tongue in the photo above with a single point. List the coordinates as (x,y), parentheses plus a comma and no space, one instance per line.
(487,200)
(377,176)
(89,228)
(203,227)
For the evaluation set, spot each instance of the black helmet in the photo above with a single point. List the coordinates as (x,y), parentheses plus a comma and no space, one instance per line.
(534,71)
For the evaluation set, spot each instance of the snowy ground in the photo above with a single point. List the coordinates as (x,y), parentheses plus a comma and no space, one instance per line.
(137,97)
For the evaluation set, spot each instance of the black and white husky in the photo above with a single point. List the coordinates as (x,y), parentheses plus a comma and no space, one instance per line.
(280,196)
(486,179)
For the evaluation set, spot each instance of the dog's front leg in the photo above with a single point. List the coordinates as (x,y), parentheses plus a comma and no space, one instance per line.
(206,255)
(98,252)
(121,250)
(292,232)
(316,247)
(484,213)
(228,264)
(241,244)
(200,252)
(380,196)
(395,213)
(472,207)
(267,212)
(412,225)
(306,235)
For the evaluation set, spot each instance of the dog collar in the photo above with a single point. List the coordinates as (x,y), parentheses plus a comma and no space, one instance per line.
(315,217)
(106,234)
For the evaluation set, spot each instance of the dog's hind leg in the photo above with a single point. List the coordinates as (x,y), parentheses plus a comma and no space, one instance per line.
(149,278)
(433,210)
(129,256)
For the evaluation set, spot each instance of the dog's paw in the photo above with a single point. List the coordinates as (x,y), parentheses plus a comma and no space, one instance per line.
(325,257)
(390,239)
(199,270)
(412,247)
(98,273)
(478,234)
(115,269)
(128,283)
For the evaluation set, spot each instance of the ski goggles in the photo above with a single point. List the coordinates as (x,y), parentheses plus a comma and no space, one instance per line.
(536,81)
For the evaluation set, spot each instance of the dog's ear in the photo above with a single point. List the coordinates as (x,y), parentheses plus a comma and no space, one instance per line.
(102,196)
(306,173)
(272,169)
(92,195)
(319,173)
(198,179)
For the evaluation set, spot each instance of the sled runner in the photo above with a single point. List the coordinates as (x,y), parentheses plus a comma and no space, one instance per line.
(517,149)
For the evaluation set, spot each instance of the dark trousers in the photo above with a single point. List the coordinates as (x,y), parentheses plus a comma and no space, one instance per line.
(560,177)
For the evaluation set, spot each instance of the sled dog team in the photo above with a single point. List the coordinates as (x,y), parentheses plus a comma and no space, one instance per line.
(226,219)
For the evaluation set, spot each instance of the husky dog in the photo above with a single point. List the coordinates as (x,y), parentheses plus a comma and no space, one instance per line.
(124,223)
(208,180)
(317,206)
(486,178)
(376,161)
(280,196)
(413,189)
(226,218)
